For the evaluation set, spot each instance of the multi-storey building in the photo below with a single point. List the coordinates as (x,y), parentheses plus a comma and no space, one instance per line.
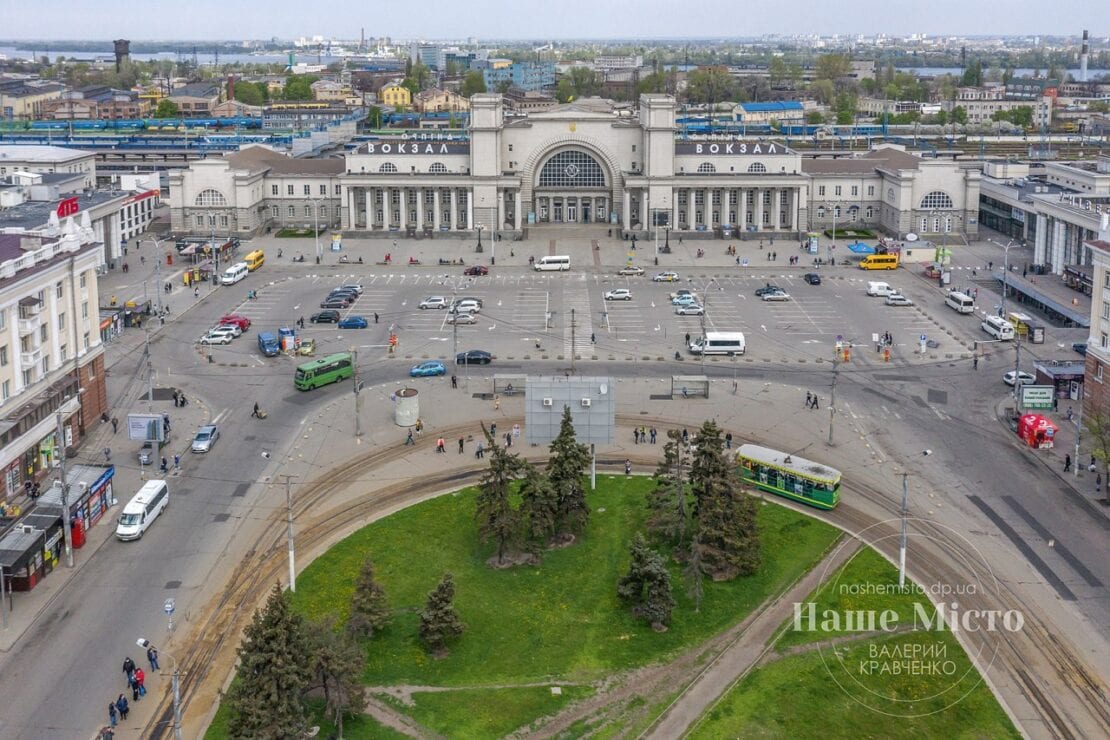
(48,159)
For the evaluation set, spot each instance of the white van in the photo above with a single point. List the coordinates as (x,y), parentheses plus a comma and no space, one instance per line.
(880,289)
(234,274)
(561,262)
(719,343)
(998,328)
(960,302)
(142,510)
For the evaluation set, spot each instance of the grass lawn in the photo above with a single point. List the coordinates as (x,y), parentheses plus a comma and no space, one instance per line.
(361,727)
(293,232)
(909,705)
(526,624)
(487,713)
(850,234)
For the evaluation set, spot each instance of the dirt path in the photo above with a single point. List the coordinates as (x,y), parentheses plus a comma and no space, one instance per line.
(741,656)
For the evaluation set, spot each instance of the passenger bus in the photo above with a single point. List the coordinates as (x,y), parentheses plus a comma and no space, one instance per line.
(719,343)
(555,262)
(330,369)
(255,259)
(791,476)
(142,510)
(879,262)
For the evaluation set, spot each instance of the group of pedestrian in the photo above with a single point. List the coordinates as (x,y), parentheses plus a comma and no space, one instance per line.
(794,259)
(772,256)
(136,681)
(640,435)
(811,400)
(179,399)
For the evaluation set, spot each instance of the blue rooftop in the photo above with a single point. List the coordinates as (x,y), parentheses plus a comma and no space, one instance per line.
(784,105)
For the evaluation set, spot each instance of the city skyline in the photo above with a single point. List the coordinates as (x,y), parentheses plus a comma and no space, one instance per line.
(571,19)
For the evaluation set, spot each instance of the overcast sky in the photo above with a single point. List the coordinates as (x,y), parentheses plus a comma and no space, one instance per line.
(537,19)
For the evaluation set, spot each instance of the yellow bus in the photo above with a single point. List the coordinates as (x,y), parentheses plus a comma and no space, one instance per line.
(879,262)
(255,259)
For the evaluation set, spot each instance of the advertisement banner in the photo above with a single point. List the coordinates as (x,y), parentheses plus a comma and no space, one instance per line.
(145,427)
(1037,397)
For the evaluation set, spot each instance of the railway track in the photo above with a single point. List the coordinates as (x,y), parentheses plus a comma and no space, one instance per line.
(216,633)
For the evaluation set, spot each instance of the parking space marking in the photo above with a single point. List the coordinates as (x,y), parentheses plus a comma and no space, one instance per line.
(576,334)
(529,310)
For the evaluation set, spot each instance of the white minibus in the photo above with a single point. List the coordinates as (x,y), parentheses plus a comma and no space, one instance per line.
(561,262)
(235,273)
(960,302)
(142,510)
(998,328)
(719,343)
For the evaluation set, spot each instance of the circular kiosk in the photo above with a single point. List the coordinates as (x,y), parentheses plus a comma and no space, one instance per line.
(406,407)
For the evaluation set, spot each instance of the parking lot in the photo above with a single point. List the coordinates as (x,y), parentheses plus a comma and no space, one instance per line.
(558,311)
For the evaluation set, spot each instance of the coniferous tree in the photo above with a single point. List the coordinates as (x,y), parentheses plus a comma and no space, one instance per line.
(497,519)
(694,573)
(668,513)
(369,608)
(708,464)
(439,622)
(565,469)
(539,510)
(647,585)
(728,532)
(274,671)
(337,666)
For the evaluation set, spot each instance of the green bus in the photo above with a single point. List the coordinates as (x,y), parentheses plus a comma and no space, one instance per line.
(791,476)
(330,369)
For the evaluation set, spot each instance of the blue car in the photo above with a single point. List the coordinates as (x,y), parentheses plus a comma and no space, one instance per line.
(353,322)
(426,369)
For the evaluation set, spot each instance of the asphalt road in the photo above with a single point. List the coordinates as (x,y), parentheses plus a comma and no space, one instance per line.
(1040,538)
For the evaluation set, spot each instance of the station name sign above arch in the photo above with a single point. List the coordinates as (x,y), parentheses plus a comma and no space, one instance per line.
(393,148)
(727,148)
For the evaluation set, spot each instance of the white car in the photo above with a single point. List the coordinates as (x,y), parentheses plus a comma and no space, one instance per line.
(776,295)
(221,335)
(683,291)
(1023,378)
(236,330)
(351,286)
(631,271)
(468,305)
(435,301)
(466,317)
(690,309)
(897,299)
(665,277)
(619,294)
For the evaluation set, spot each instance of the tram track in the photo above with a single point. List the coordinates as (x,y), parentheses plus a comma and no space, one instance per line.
(212,637)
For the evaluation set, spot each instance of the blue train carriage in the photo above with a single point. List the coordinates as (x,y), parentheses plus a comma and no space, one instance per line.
(790,476)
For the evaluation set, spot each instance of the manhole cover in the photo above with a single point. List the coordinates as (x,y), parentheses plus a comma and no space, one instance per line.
(221,517)
(938,396)
(241,489)
(173,584)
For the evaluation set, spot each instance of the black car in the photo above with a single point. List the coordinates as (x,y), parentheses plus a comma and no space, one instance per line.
(342,296)
(474,357)
(325,317)
(812,278)
(768,288)
(335,303)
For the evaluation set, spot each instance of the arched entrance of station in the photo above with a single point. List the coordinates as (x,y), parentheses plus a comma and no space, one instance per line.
(573,187)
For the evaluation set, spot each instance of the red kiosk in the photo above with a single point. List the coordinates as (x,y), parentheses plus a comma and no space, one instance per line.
(1037,431)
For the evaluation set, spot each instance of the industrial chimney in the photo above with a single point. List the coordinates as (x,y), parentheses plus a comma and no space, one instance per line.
(123,51)
(1084,52)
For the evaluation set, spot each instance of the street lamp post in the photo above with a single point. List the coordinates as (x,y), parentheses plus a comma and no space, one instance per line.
(479,249)
(144,643)
(905,516)
(316,227)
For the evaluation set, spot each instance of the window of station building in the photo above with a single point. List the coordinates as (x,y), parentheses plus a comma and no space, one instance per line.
(273,190)
(855,190)
(706,168)
(292,212)
(757,167)
(7,393)
(200,220)
(58,289)
(288,189)
(323,211)
(821,190)
(1098,375)
(273,211)
(574,169)
(308,190)
(323,189)
(437,168)
(820,212)
(337,189)
(870,190)
(210,197)
(869,213)
(387,167)
(936,199)
(836,190)
(307,211)
(223,220)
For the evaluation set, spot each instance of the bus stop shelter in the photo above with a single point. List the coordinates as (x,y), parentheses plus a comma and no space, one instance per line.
(690,386)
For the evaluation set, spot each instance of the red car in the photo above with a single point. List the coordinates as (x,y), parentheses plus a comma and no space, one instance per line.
(236,320)
(476,270)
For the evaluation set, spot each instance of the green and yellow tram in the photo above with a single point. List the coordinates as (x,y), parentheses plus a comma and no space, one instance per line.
(788,475)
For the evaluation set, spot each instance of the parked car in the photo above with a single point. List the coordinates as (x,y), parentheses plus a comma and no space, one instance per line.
(343,293)
(690,309)
(471,298)
(618,294)
(776,295)
(1023,378)
(428,369)
(466,306)
(476,270)
(351,286)
(812,278)
(435,301)
(324,317)
(683,300)
(205,438)
(683,291)
(354,322)
(897,299)
(665,277)
(147,453)
(219,335)
(631,271)
(238,319)
(335,303)
(768,288)
(235,330)
(474,357)
(465,317)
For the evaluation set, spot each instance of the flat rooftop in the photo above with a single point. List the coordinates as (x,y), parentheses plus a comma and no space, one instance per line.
(36,214)
(43,153)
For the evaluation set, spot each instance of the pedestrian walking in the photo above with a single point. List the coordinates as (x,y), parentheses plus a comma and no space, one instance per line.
(441,446)
(107,454)
(122,707)
(134,683)
(176,466)
(635,436)
(990,265)
(493,430)
(685,436)
(728,441)
(184,401)
(454,381)
(1098,483)
(375,318)
(112,713)
(1069,413)
(1067,463)
(654,432)
(196,292)
(593,338)
(255,411)
(479,451)
(687,339)
(508,439)
(1055,404)
(628,467)
(1092,462)
(975,363)
(115,425)
(409,440)
(165,465)
(140,679)
(815,405)
(460,445)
